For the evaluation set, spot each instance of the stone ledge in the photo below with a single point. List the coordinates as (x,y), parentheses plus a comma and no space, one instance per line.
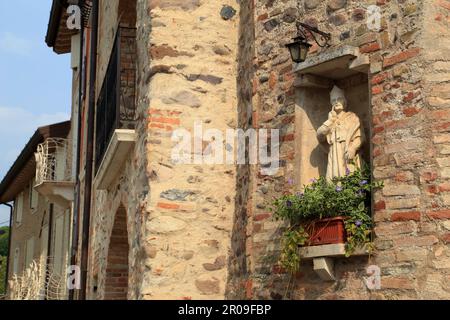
(118,149)
(59,192)
(329,250)
(336,64)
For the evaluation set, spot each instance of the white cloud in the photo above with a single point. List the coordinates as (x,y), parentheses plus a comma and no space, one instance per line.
(19,120)
(11,43)
(16,128)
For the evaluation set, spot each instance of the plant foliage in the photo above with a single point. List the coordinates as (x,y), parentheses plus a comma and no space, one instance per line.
(348,196)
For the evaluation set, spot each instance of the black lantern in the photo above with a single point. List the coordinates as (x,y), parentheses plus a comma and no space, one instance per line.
(299,47)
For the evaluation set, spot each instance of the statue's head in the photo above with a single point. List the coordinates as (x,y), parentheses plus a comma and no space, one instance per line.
(337,99)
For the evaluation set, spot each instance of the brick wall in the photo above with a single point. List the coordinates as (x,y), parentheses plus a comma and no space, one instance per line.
(116,282)
(127,77)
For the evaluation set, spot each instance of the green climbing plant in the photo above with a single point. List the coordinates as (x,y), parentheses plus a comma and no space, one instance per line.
(347,196)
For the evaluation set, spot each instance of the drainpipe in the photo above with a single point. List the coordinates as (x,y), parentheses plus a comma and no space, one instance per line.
(9,243)
(76,210)
(89,152)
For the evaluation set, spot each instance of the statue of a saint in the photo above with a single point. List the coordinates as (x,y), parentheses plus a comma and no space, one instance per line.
(344,134)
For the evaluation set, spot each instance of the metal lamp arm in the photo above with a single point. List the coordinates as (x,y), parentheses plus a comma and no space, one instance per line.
(326,36)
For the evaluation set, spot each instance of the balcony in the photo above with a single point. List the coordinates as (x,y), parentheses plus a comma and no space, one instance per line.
(115,113)
(53,171)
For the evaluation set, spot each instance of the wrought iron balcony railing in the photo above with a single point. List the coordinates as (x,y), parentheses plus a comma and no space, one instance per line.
(53,161)
(116,102)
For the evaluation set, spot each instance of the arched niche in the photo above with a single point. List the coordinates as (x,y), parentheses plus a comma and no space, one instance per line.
(346,68)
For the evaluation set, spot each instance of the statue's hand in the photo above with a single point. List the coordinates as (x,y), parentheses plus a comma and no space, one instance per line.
(332,116)
(350,154)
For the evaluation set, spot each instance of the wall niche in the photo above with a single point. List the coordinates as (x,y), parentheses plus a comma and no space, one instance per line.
(346,69)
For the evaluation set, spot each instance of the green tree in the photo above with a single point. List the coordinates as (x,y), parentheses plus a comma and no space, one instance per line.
(4,236)
(2,274)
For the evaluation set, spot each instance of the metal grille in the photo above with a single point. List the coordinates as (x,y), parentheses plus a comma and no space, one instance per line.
(53,161)
(115,105)
(39,282)
(107,105)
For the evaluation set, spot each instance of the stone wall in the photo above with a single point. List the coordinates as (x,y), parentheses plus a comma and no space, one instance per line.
(189,215)
(239,283)
(128,190)
(408,83)
(179,216)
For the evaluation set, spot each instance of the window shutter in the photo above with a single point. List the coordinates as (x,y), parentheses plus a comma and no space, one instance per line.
(19,208)
(29,252)
(16,261)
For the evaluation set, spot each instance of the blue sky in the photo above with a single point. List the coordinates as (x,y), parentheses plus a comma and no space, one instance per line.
(35,83)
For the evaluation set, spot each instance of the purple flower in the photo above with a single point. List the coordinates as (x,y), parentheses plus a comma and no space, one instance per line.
(347,171)
(338,189)
(362,183)
(358,223)
(360,193)
(289,203)
(313,180)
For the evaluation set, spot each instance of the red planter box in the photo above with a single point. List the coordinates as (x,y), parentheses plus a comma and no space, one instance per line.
(328,231)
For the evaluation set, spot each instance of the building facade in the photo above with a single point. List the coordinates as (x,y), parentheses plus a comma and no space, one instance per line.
(41,217)
(149,227)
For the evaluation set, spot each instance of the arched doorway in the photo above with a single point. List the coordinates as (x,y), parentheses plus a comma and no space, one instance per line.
(116,282)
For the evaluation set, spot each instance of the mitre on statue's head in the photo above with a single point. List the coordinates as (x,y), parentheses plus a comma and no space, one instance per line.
(337,93)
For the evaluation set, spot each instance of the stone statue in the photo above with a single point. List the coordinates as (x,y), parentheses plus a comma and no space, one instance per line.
(344,134)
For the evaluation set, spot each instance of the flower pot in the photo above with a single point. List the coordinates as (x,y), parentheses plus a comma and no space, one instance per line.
(327,231)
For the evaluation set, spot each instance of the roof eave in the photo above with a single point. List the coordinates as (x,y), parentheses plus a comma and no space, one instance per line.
(53,23)
(55,130)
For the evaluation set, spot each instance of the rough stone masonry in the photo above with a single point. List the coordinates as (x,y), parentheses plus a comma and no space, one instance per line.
(205,232)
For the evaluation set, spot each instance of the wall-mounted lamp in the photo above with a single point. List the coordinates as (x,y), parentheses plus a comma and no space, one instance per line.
(299,47)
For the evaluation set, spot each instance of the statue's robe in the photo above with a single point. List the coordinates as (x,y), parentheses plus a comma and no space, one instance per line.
(346,133)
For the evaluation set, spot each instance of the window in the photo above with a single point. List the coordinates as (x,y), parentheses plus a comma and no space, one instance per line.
(34,196)
(19,208)
(16,261)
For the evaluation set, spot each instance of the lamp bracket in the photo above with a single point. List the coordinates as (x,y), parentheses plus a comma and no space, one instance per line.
(302,28)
